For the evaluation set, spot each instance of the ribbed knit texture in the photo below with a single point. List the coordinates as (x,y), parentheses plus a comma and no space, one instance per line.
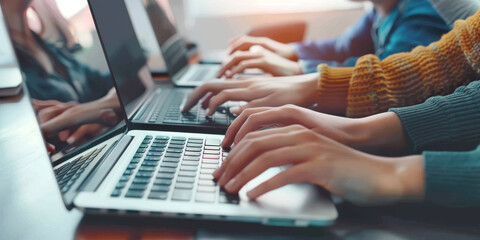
(449,120)
(453,178)
(406,79)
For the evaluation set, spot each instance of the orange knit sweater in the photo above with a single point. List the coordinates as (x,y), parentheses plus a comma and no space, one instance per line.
(404,79)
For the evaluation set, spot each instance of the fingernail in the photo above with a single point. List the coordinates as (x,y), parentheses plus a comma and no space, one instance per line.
(230,185)
(71,140)
(235,110)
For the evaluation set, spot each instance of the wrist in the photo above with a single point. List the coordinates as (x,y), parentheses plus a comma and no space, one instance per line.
(410,172)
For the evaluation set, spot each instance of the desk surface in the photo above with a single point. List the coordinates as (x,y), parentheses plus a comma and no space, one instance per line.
(31,206)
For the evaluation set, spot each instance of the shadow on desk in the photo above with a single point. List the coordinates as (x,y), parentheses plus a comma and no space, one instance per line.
(399,222)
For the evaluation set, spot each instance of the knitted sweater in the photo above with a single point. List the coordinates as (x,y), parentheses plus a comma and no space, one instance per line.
(405,79)
(450,122)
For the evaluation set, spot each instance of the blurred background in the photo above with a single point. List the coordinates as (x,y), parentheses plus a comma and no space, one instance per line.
(212,23)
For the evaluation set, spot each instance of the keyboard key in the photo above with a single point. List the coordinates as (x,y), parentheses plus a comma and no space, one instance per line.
(174,160)
(179,139)
(194,145)
(190,149)
(134,194)
(216,157)
(176,146)
(189,163)
(187,174)
(116,193)
(166,175)
(137,187)
(141,180)
(167,170)
(138,155)
(183,186)
(198,141)
(190,158)
(155,149)
(161,181)
(209,166)
(210,189)
(181,195)
(169,164)
(128,172)
(160,188)
(162,138)
(188,168)
(207,171)
(158,195)
(174,155)
(228,198)
(186,179)
(207,183)
(206,177)
(211,152)
(154,154)
(177,142)
(212,161)
(135,160)
(147,169)
(194,154)
(174,150)
(205,197)
(141,150)
(212,142)
(212,148)
(150,163)
(144,174)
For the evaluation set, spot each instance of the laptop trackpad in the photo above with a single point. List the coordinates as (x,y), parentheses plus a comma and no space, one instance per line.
(292,197)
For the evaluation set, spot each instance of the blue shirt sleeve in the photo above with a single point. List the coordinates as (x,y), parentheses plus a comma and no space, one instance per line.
(357,41)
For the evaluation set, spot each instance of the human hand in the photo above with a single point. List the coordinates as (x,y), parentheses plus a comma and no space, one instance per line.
(259,57)
(356,176)
(83,134)
(380,132)
(258,92)
(243,43)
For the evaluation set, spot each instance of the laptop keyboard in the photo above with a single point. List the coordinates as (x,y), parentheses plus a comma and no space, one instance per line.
(68,174)
(176,169)
(196,115)
(201,74)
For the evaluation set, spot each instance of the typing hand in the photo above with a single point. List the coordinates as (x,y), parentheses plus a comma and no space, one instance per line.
(356,176)
(244,43)
(259,57)
(260,92)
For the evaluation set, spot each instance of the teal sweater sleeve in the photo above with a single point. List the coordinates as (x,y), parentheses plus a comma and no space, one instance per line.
(447,122)
(453,178)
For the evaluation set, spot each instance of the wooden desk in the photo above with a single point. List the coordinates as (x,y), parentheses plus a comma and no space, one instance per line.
(31,206)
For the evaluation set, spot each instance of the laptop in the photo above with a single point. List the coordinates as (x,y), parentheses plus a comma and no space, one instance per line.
(174,51)
(11,82)
(146,36)
(149,105)
(119,170)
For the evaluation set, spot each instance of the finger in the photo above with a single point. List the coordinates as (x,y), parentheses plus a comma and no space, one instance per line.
(278,117)
(274,158)
(231,41)
(84,132)
(249,149)
(235,59)
(240,94)
(206,100)
(39,104)
(109,117)
(261,102)
(251,63)
(63,135)
(295,174)
(237,123)
(199,92)
(237,149)
(243,44)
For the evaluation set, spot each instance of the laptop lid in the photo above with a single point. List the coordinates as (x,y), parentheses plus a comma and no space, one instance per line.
(123,51)
(75,102)
(171,43)
(146,36)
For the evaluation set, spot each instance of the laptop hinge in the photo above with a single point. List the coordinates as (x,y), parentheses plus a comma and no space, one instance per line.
(96,178)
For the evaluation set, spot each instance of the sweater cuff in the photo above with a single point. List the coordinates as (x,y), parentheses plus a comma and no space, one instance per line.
(452,178)
(333,87)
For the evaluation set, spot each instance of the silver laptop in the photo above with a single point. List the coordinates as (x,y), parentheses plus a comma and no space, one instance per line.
(123,171)
(172,46)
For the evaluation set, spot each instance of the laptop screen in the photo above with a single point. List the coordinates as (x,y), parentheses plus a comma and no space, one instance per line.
(172,45)
(65,71)
(125,56)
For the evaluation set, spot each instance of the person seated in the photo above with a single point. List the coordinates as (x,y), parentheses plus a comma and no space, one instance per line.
(331,151)
(372,86)
(392,26)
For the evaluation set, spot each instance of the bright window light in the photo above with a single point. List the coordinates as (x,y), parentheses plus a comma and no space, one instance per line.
(199,8)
